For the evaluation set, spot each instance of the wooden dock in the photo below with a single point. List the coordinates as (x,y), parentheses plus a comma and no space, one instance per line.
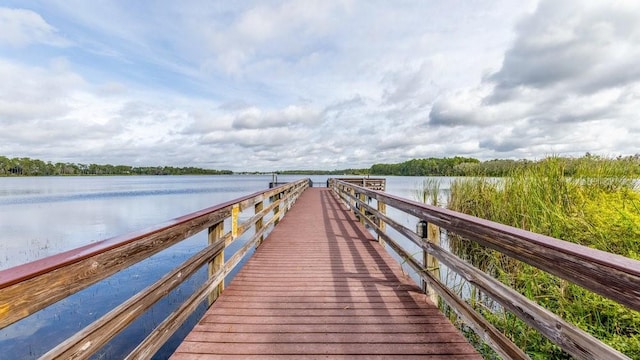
(320,286)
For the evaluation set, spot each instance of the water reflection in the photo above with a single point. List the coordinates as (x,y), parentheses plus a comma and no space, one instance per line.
(43,216)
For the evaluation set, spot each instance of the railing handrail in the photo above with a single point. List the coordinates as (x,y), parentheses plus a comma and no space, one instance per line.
(587,267)
(28,288)
(368,182)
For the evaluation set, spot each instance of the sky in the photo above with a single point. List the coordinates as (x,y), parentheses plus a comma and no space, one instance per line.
(328,84)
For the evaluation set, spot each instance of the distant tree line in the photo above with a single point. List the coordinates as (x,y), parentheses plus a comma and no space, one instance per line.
(432,166)
(454,166)
(461,166)
(33,167)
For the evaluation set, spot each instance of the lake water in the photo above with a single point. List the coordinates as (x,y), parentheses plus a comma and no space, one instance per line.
(42,216)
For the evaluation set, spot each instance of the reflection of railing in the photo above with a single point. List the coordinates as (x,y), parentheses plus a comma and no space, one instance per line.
(31,287)
(612,276)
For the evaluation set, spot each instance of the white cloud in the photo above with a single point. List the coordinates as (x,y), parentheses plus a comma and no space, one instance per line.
(22,27)
(579,46)
(35,92)
(51,113)
(291,116)
(318,84)
(286,29)
(564,87)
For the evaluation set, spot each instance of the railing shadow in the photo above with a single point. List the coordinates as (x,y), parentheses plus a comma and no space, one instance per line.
(348,240)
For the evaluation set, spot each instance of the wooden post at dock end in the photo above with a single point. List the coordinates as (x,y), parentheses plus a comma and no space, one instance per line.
(257,209)
(215,233)
(431,264)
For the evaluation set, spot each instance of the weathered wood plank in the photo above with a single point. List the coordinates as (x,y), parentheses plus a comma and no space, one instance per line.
(345,311)
(442,325)
(319,337)
(444,348)
(188,356)
(238,303)
(422,319)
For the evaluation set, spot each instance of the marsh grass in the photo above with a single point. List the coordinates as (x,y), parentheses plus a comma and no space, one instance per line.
(598,206)
(428,192)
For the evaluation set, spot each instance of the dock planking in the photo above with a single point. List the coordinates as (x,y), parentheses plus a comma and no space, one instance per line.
(320,286)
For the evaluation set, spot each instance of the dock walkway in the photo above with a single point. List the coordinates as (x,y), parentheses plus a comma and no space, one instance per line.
(320,286)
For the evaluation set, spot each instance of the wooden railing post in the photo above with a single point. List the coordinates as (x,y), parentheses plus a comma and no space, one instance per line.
(382,208)
(276,209)
(257,209)
(352,201)
(362,198)
(429,262)
(215,233)
(432,263)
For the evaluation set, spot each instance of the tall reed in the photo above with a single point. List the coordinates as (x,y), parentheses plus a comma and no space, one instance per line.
(598,206)
(428,192)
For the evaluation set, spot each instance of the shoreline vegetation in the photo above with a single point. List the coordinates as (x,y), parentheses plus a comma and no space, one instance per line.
(597,206)
(33,167)
(448,166)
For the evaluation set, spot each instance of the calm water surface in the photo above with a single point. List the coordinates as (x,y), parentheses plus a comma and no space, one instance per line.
(42,216)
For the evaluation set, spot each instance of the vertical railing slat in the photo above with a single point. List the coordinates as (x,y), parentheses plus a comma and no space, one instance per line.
(257,209)
(382,208)
(431,263)
(216,232)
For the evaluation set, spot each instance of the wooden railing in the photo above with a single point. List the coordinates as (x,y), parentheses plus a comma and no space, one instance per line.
(369,183)
(28,288)
(613,276)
